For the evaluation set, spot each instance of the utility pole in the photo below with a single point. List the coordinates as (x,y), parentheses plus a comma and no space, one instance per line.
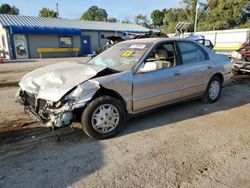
(57,10)
(196,16)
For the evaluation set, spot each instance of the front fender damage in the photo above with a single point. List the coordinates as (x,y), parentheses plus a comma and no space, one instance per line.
(61,113)
(78,98)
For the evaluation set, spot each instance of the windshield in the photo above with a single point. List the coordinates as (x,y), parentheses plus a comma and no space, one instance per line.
(122,56)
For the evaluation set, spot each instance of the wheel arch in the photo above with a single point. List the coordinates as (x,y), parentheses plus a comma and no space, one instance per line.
(220,76)
(108,92)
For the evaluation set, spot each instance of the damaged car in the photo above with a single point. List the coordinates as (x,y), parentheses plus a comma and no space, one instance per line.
(129,78)
(241,60)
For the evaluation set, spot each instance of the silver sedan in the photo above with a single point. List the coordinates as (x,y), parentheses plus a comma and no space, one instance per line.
(129,78)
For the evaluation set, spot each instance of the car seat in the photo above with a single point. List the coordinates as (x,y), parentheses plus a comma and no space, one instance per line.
(161,56)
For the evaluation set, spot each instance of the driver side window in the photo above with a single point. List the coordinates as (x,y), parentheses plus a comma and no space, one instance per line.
(163,55)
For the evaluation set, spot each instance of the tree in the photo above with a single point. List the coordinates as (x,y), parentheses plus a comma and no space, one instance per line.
(212,15)
(95,13)
(224,15)
(7,9)
(157,17)
(47,13)
(142,20)
(245,13)
(172,17)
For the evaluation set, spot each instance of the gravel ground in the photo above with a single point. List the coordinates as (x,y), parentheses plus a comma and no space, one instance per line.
(189,144)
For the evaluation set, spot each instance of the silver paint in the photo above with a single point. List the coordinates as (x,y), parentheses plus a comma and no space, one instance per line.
(54,81)
(73,85)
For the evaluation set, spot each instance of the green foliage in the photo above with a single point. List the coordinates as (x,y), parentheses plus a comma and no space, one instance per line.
(223,15)
(212,15)
(142,20)
(47,13)
(173,16)
(95,13)
(7,9)
(157,17)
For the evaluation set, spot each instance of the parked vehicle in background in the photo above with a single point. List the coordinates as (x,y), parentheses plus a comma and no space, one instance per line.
(131,77)
(112,40)
(200,39)
(241,60)
(150,34)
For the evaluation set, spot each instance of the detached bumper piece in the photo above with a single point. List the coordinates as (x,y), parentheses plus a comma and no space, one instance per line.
(28,110)
(241,66)
(246,68)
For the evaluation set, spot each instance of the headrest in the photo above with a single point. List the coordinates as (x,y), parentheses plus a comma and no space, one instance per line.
(161,54)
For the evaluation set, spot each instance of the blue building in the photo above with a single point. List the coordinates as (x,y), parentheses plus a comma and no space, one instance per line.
(34,37)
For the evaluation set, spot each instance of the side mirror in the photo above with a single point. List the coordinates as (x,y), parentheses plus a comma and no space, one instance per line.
(149,67)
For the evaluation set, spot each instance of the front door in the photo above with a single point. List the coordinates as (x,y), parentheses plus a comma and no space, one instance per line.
(20,46)
(159,87)
(85,45)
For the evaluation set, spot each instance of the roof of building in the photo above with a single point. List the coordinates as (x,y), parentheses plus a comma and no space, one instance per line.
(32,21)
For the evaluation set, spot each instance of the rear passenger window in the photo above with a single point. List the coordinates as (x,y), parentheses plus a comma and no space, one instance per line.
(191,53)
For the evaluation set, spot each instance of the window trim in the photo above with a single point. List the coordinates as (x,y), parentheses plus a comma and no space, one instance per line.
(177,58)
(3,42)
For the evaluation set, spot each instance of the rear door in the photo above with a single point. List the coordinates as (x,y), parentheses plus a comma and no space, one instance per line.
(196,68)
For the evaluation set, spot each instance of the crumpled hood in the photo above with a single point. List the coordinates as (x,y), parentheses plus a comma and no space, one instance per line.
(54,81)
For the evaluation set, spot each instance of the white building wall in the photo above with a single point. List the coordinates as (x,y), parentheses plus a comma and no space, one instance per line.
(224,38)
(4,46)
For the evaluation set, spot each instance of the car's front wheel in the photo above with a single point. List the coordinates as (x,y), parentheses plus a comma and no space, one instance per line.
(213,91)
(103,118)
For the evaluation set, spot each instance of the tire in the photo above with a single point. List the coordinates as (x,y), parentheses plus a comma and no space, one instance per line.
(213,90)
(103,118)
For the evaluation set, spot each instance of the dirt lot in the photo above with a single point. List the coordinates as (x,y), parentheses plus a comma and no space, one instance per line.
(185,145)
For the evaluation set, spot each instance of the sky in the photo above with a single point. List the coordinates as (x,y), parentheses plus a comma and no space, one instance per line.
(73,9)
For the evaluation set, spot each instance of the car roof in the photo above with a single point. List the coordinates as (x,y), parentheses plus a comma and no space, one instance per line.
(165,39)
(154,40)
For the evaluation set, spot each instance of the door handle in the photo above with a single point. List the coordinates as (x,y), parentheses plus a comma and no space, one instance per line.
(209,66)
(177,74)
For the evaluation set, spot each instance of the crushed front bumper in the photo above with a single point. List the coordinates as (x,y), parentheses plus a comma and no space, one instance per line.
(41,112)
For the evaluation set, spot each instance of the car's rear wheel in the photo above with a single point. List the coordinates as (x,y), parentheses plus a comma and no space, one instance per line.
(213,90)
(103,118)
